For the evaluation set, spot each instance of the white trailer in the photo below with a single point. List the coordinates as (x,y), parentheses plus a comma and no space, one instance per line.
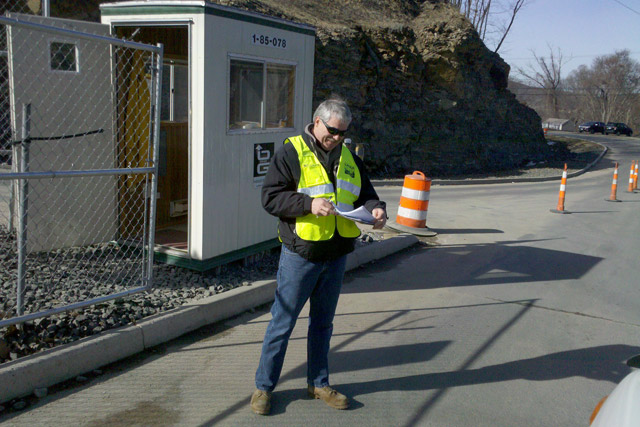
(235,85)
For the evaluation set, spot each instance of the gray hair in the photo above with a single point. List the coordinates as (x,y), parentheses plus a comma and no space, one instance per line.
(333,108)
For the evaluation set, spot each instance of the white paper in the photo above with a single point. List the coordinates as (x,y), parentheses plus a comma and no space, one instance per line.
(360,215)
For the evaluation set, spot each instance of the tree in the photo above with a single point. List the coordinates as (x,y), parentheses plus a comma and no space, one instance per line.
(546,74)
(610,88)
(492,19)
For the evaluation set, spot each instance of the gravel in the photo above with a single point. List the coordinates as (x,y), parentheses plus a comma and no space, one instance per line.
(69,283)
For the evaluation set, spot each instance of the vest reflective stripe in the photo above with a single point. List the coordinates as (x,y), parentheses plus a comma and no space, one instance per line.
(315,182)
(317,190)
(345,207)
(349,186)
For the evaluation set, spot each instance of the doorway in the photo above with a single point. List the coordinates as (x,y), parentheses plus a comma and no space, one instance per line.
(172,204)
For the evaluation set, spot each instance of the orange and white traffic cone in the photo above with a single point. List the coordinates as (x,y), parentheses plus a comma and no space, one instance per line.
(614,186)
(635,177)
(631,173)
(563,189)
(414,203)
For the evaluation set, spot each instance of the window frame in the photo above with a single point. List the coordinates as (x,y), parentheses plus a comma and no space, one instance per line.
(264,61)
(76,51)
(172,63)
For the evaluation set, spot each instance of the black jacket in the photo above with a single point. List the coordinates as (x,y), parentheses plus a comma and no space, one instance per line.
(281,198)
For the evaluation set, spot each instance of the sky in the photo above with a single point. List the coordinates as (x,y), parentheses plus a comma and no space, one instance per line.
(581,29)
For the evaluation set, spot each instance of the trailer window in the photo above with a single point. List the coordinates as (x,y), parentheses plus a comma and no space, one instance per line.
(261,95)
(245,97)
(63,57)
(280,87)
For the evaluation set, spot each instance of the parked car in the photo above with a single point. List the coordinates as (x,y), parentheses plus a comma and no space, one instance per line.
(618,128)
(592,127)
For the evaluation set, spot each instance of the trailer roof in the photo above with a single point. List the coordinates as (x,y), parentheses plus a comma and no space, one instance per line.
(173,7)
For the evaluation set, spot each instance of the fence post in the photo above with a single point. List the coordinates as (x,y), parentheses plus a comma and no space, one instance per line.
(23,201)
(12,198)
(45,8)
(156,99)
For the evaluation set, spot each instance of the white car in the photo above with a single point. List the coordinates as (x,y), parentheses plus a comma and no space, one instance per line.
(622,407)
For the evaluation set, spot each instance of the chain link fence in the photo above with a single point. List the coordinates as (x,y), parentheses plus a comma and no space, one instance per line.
(76,205)
(21,6)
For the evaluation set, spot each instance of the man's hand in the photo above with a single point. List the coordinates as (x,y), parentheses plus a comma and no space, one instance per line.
(381,218)
(322,207)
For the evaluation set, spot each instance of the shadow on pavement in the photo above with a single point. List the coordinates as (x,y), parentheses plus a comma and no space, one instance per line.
(371,358)
(469,265)
(603,363)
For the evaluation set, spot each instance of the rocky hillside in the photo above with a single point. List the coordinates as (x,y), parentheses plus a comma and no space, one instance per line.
(425,91)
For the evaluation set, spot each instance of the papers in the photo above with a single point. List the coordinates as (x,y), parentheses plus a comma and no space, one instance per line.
(359,215)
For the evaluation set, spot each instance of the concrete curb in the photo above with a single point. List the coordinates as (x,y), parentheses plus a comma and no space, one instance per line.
(21,377)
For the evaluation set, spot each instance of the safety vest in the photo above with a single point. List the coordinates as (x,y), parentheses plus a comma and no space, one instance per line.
(315,182)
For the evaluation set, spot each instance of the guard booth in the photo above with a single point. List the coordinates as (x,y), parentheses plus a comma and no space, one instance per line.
(235,84)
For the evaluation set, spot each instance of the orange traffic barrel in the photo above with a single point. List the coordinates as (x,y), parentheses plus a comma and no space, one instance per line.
(563,189)
(614,186)
(414,201)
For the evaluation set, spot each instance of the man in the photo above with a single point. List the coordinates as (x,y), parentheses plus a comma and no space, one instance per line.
(308,177)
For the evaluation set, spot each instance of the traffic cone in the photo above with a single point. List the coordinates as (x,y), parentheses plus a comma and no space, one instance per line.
(414,203)
(563,187)
(631,173)
(614,186)
(635,177)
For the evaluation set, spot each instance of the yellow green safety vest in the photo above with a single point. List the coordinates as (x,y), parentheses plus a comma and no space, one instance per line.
(315,182)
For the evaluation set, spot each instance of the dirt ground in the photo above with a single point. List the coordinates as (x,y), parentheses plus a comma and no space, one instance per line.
(575,152)
(581,152)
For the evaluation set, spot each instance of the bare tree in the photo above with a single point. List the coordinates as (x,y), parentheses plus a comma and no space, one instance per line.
(488,16)
(514,9)
(609,89)
(546,74)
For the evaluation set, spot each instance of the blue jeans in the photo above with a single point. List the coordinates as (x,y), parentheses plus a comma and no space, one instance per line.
(298,281)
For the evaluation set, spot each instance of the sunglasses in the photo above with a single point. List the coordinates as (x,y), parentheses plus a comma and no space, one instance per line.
(332,130)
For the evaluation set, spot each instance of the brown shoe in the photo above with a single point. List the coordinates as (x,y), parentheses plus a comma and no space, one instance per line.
(330,396)
(261,402)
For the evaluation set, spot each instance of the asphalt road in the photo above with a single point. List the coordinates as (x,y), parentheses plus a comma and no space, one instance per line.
(516,316)
(568,285)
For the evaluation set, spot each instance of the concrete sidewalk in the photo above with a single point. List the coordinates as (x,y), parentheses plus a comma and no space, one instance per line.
(23,376)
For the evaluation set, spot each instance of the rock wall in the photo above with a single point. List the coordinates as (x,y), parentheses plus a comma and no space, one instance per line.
(425,92)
